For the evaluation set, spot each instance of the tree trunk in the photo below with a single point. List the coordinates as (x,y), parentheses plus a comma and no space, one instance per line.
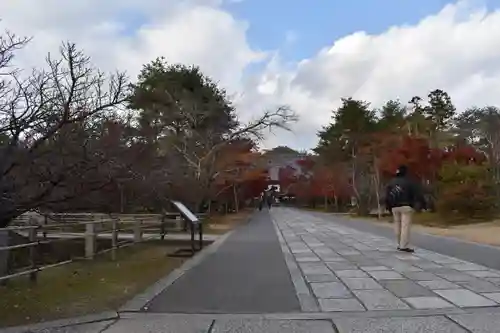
(235,194)
(4,255)
(122,199)
(376,182)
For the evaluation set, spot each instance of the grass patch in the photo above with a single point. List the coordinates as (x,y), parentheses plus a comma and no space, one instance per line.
(85,287)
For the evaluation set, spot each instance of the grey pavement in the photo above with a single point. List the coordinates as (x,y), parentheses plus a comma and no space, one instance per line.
(333,278)
(349,270)
(247,274)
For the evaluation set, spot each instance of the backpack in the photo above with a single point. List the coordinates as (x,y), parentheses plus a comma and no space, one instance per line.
(397,194)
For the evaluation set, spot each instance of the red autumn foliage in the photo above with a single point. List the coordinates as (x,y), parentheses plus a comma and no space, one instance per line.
(239,167)
(464,154)
(422,161)
(286,177)
(306,164)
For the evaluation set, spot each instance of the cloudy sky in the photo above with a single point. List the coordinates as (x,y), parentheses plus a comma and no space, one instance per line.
(307,54)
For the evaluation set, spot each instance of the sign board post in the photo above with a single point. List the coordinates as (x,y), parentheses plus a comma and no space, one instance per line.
(194,222)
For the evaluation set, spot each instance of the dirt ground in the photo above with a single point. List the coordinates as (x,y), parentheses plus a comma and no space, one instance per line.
(224,223)
(484,233)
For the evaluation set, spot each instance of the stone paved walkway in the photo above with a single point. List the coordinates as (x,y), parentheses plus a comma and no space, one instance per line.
(339,269)
(346,281)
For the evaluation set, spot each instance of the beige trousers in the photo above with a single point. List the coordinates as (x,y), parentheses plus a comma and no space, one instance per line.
(402,224)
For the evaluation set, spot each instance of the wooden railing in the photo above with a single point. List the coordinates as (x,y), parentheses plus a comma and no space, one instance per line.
(34,231)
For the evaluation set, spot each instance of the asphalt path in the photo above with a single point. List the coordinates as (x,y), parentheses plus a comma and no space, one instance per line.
(486,255)
(247,274)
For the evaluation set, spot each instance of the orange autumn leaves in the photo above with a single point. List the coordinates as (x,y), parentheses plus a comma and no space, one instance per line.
(239,165)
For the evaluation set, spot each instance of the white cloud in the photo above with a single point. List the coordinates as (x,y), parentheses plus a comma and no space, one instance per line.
(457,49)
(193,32)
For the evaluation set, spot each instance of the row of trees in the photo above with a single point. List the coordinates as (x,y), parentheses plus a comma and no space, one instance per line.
(74,138)
(455,156)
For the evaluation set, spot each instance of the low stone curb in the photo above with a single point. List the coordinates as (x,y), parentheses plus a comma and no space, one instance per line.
(306,300)
(93,318)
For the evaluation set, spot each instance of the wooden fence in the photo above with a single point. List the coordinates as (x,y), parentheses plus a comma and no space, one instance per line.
(32,231)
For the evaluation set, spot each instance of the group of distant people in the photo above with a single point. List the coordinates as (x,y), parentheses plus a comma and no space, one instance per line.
(267,198)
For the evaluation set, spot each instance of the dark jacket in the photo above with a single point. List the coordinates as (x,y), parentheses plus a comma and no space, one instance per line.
(403,191)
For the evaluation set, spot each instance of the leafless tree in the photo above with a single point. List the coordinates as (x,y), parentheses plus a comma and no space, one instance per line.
(200,150)
(41,115)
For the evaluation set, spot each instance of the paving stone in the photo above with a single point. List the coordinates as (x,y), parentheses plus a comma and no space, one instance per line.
(479,322)
(386,275)
(495,281)
(380,300)
(339,305)
(323,249)
(308,259)
(340,266)
(314,268)
(351,273)
(493,296)
(269,326)
(439,284)
(330,290)
(481,286)
(304,255)
(484,274)
(361,283)
(407,269)
(374,268)
(163,323)
(456,277)
(428,302)
(427,265)
(447,260)
(300,251)
(307,302)
(465,298)
(406,288)
(468,267)
(443,270)
(333,258)
(348,252)
(398,325)
(321,278)
(360,259)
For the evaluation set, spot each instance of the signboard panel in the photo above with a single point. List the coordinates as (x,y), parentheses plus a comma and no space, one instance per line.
(186,213)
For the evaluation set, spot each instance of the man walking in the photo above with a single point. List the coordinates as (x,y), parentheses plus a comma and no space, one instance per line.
(402,195)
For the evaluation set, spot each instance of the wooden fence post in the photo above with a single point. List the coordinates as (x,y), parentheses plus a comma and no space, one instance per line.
(33,233)
(114,237)
(162,227)
(45,224)
(137,230)
(90,240)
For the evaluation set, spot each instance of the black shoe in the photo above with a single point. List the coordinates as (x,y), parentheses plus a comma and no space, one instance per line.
(407,250)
